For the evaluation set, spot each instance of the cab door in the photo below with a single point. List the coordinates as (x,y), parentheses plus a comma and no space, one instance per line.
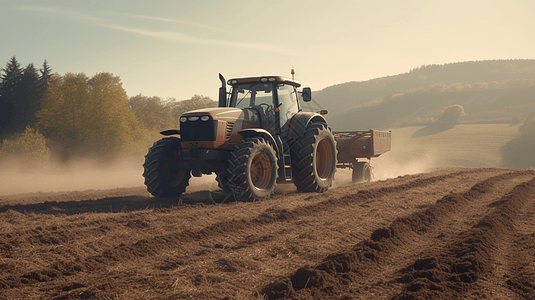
(287,103)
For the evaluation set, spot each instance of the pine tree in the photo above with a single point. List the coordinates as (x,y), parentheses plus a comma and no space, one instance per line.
(11,82)
(44,78)
(28,99)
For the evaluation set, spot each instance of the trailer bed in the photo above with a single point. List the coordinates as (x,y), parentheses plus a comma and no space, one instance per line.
(352,145)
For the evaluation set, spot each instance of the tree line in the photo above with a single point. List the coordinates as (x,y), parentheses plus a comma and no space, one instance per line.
(45,114)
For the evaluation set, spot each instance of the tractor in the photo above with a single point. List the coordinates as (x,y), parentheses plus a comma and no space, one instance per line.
(256,138)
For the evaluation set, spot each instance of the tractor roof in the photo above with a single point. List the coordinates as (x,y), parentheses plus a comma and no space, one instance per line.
(280,79)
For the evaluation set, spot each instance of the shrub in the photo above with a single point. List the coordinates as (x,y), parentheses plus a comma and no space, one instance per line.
(30,144)
(451,114)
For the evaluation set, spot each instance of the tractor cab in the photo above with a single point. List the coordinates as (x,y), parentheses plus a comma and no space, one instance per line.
(274,98)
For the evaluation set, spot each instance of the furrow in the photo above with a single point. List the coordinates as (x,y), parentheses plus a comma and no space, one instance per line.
(375,255)
(465,269)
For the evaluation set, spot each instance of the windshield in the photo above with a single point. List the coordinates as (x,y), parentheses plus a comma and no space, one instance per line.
(252,94)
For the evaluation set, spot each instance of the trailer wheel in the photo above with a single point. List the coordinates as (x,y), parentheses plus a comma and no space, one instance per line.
(160,170)
(253,170)
(314,159)
(362,172)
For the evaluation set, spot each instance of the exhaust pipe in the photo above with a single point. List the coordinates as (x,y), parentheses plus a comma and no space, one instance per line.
(222,92)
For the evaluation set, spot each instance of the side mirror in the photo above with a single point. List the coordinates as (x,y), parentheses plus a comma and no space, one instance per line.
(307,94)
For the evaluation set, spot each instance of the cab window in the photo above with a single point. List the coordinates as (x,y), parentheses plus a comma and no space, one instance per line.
(288,104)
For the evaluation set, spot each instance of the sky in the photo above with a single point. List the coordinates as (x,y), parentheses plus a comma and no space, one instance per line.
(176,48)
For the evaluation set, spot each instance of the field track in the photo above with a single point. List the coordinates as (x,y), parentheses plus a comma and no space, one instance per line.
(450,234)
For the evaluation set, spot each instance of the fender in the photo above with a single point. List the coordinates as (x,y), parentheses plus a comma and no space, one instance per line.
(170,132)
(300,122)
(251,132)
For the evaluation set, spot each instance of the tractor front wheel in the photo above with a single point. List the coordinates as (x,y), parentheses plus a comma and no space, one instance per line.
(163,177)
(252,172)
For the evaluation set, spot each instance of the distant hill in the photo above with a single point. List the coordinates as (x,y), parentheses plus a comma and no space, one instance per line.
(497,91)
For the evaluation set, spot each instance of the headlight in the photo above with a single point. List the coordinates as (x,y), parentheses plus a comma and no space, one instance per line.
(183,119)
(205,118)
(193,119)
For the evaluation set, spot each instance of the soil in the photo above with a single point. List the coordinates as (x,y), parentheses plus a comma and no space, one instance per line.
(456,233)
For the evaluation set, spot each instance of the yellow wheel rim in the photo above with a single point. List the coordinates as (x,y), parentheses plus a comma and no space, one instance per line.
(261,170)
(324,159)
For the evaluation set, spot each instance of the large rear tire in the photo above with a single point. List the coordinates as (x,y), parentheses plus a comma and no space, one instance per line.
(252,170)
(362,172)
(314,159)
(160,170)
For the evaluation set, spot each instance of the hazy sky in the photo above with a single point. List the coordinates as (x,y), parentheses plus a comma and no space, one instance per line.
(176,48)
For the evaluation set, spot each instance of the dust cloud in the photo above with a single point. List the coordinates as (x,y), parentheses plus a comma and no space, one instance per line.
(407,157)
(390,165)
(477,145)
(394,164)
(17,176)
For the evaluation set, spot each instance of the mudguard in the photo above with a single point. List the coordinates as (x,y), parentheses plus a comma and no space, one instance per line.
(170,132)
(300,121)
(250,132)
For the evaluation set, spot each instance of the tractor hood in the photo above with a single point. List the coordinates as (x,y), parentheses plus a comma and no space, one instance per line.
(216,127)
(229,114)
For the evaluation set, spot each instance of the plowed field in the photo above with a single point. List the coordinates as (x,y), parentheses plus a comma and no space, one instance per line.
(448,234)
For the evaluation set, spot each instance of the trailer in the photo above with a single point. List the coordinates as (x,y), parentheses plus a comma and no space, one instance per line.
(364,145)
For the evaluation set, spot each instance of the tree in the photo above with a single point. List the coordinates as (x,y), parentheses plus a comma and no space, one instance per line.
(11,80)
(88,116)
(63,110)
(44,78)
(157,114)
(196,102)
(20,94)
(27,100)
(451,114)
(116,124)
(153,112)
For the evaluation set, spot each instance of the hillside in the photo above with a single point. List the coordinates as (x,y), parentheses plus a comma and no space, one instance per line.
(500,91)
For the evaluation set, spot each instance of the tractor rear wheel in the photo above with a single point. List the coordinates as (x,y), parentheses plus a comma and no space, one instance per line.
(314,159)
(362,172)
(162,176)
(252,170)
